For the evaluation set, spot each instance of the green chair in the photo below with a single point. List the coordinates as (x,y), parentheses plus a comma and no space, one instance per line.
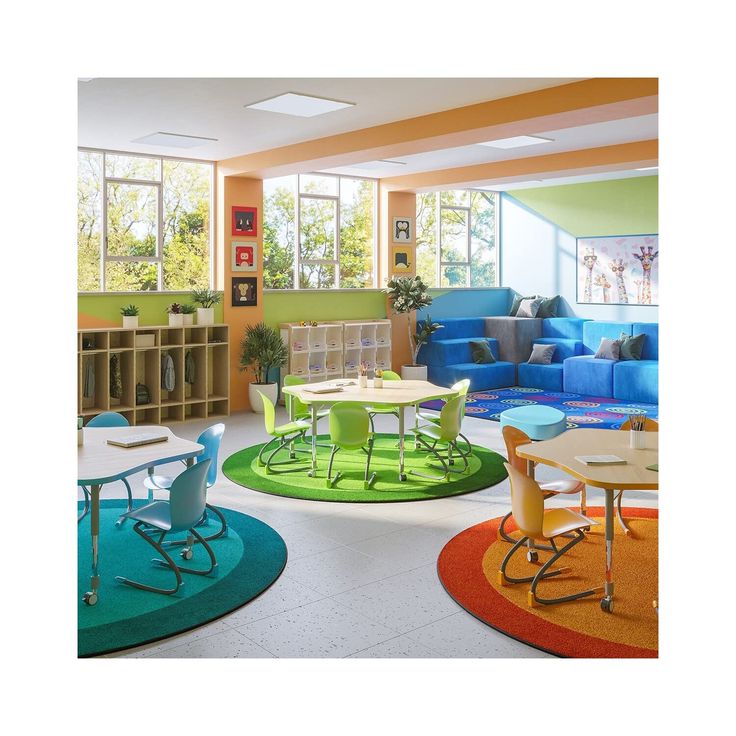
(445,432)
(461,387)
(284,433)
(373,410)
(349,430)
(298,411)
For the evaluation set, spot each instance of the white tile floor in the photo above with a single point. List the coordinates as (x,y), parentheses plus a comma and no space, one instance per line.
(361,578)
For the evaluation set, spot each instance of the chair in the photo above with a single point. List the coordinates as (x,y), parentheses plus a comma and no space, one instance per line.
(107,419)
(181,513)
(284,433)
(384,409)
(650,425)
(350,430)
(461,388)
(536,524)
(298,410)
(445,432)
(211,439)
(514,438)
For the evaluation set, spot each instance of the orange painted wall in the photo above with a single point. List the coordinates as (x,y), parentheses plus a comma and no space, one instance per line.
(241,192)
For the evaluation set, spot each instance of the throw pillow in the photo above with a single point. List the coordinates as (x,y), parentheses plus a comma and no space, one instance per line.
(541,354)
(631,346)
(529,307)
(481,352)
(609,349)
(517,302)
(548,307)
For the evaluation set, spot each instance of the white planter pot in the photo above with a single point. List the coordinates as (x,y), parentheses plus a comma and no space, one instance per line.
(267,389)
(414,372)
(188,319)
(205,316)
(378,383)
(176,320)
(130,323)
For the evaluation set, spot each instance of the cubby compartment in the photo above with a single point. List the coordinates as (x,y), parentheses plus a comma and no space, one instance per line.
(352,361)
(351,338)
(317,362)
(95,377)
(332,362)
(172,336)
(147,415)
(383,358)
(122,340)
(333,337)
(176,395)
(195,410)
(383,334)
(146,339)
(195,335)
(300,339)
(218,375)
(92,341)
(299,364)
(219,408)
(368,336)
(126,367)
(217,334)
(148,372)
(172,413)
(318,337)
(368,357)
(197,391)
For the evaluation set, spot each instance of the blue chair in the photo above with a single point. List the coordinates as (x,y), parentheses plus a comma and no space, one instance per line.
(107,419)
(181,513)
(211,439)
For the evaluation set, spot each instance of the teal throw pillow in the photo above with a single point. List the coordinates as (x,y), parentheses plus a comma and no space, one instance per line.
(481,352)
(548,308)
(632,346)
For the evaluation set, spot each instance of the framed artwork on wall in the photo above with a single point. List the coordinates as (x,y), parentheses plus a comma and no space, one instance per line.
(402,260)
(244,291)
(245,221)
(403,230)
(618,269)
(244,256)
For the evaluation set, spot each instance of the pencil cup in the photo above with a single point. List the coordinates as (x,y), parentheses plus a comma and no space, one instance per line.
(636,439)
(363,381)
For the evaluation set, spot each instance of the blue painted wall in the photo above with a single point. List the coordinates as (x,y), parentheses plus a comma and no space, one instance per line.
(538,257)
(467,303)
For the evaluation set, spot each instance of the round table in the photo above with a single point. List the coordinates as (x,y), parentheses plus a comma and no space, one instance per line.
(537,422)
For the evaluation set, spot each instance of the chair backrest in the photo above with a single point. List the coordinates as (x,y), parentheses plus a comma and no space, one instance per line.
(514,438)
(451,418)
(349,425)
(391,376)
(650,425)
(294,405)
(269,413)
(461,387)
(211,439)
(527,503)
(188,496)
(108,419)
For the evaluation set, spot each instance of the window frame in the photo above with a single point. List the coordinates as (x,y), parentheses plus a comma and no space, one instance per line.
(159,257)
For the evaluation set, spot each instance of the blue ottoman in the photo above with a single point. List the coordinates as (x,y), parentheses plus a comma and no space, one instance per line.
(537,422)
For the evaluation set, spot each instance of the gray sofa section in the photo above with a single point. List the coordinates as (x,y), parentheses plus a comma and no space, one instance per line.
(515,336)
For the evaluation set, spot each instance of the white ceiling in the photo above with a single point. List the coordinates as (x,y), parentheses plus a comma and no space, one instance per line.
(113,112)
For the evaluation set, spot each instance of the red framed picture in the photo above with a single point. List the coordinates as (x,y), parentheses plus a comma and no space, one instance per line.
(245,221)
(245,256)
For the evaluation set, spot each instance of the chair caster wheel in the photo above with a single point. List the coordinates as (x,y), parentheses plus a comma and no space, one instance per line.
(402,476)
(312,474)
(586,529)
(292,456)
(450,462)
(90,598)
(532,556)
(607,605)
(186,554)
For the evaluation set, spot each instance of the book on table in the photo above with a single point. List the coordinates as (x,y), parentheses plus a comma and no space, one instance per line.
(600,459)
(323,389)
(136,440)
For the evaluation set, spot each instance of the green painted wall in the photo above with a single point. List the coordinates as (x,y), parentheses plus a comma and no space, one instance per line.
(152,306)
(618,207)
(294,306)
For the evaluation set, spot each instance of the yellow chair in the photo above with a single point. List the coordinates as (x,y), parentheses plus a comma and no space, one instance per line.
(536,524)
(650,425)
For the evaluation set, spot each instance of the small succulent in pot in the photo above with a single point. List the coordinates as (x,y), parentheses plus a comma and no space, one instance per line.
(130,314)
(176,316)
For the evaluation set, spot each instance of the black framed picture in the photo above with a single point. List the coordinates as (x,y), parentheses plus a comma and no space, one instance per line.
(245,291)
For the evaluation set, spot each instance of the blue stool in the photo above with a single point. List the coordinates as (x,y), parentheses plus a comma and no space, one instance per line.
(537,422)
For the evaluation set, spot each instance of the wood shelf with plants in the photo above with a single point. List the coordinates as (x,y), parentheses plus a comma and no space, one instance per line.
(139,354)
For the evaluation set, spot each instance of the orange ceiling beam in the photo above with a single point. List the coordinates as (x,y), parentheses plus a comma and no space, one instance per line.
(564,106)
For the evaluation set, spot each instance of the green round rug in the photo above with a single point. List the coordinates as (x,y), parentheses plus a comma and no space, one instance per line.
(291,479)
(250,558)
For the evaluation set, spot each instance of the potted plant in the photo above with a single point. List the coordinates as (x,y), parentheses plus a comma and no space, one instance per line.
(378,378)
(206,299)
(130,316)
(407,294)
(261,350)
(176,317)
(188,311)
(363,374)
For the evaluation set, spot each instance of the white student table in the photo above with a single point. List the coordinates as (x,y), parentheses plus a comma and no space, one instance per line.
(399,394)
(99,463)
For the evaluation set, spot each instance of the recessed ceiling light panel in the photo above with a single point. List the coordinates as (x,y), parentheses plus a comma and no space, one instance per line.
(173,140)
(379,164)
(304,106)
(648,168)
(517,141)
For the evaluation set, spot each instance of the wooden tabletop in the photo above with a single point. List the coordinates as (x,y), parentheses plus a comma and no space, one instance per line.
(98,462)
(394,393)
(560,452)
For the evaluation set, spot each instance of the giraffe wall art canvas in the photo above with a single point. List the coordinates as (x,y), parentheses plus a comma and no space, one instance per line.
(618,269)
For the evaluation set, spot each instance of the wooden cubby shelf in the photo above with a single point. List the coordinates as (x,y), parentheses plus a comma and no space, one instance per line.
(139,361)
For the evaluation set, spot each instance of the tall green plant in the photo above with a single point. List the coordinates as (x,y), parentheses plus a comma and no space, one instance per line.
(407,294)
(261,350)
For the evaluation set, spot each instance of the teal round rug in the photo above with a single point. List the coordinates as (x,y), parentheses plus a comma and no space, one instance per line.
(291,479)
(250,558)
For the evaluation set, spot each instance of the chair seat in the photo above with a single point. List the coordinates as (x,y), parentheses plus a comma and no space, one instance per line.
(156,514)
(307,416)
(157,482)
(291,427)
(428,430)
(562,486)
(561,521)
(381,409)
(427,417)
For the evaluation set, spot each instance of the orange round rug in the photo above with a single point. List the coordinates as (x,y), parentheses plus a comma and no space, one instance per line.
(468,566)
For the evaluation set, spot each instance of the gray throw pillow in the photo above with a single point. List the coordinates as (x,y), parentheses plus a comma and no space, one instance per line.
(529,307)
(548,308)
(631,346)
(517,301)
(608,349)
(541,354)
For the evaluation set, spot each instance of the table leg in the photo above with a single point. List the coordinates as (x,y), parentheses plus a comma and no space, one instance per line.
(531,552)
(313,472)
(416,424)
(90,597)
(402,474)
(607,600)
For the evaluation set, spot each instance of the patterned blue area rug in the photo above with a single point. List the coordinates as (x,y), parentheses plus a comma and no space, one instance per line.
(582,411)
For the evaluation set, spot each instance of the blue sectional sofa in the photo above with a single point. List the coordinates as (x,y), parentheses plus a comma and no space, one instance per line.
(448,356)
(638,380)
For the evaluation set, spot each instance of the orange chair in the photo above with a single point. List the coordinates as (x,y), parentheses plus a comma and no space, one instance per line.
(514,438)
(536,524)
(650,425)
